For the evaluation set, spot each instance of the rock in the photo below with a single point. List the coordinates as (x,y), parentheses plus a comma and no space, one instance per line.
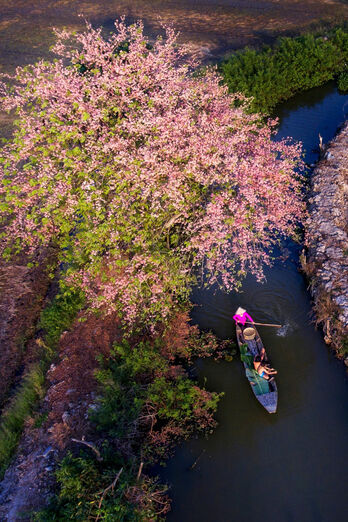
(65,417)
(342,300)
(328,155)
(326,237)
(47,452)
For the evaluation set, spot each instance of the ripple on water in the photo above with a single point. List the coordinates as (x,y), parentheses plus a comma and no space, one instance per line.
(284,330)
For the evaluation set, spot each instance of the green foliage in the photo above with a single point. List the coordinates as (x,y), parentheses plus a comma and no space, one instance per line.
(55,318)
(139,393)
(123,394)
(82,480)
(58,316)
(12,422)
(178,400)
(139,378)
(272,75)
(342,81)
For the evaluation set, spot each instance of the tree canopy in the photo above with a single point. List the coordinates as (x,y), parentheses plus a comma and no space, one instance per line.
(143,173)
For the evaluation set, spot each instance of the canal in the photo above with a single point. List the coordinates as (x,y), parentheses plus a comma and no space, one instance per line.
(289,466)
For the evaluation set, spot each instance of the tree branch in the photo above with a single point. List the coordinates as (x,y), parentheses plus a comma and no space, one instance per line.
(140,470)
(90,445)
(111,486)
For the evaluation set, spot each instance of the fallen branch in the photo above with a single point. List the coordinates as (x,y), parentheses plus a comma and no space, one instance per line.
(140,470)
(197,459)
(111,486)
(90,445)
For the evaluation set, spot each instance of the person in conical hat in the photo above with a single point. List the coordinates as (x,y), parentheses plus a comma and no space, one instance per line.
(241,316)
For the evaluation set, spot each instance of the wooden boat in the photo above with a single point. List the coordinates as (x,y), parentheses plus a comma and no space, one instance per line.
(266,392)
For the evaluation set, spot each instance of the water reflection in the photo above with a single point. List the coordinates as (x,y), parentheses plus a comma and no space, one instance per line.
(318,111)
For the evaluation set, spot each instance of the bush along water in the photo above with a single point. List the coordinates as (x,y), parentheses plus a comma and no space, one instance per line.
(146,403)
(274,74)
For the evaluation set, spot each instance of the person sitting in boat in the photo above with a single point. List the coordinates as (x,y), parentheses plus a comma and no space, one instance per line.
(263,369)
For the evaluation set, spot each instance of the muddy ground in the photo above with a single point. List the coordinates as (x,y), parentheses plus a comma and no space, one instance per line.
(213,25)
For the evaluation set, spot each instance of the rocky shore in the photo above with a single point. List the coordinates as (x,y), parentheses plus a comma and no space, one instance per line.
(325,260)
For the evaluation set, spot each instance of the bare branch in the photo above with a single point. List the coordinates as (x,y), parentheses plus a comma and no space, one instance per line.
(90,445)
(140,470)
(111,486)
(172,221)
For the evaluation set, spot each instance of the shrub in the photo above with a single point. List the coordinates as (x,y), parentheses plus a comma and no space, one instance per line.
(145,404)
(343,81)
(272,75)
(142,174)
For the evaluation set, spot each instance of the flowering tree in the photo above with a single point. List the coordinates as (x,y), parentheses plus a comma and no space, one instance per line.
(142,172)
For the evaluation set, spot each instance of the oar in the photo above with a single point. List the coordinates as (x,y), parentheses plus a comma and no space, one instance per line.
(264,324)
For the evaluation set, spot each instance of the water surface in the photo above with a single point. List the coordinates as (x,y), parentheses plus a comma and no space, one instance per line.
(289,466)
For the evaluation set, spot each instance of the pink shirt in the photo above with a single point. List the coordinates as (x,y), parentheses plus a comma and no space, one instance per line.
(243,318)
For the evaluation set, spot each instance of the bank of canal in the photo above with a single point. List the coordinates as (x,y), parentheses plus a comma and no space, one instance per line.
(289,466)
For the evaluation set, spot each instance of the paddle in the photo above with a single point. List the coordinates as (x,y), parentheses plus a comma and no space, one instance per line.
(264,324)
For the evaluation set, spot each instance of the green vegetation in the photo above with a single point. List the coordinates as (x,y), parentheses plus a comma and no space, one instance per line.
(274,74)
(343,81)
(30,391)
(146,403)
(59,314)
(55,318)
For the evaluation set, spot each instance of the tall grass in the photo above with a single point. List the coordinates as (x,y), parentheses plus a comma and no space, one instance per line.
(12,423)
(274,74)
(55,318)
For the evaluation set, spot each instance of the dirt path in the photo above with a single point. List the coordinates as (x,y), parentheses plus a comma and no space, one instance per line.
(29,480)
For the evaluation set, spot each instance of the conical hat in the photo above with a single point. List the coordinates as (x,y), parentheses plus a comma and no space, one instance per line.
(249,334)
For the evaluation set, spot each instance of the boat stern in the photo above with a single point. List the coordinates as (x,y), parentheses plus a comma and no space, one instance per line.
(269,401)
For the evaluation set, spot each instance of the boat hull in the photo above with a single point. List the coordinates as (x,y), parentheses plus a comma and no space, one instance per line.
(265,392)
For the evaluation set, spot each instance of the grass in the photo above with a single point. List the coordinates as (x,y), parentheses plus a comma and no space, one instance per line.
(30,391)
(55,318)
